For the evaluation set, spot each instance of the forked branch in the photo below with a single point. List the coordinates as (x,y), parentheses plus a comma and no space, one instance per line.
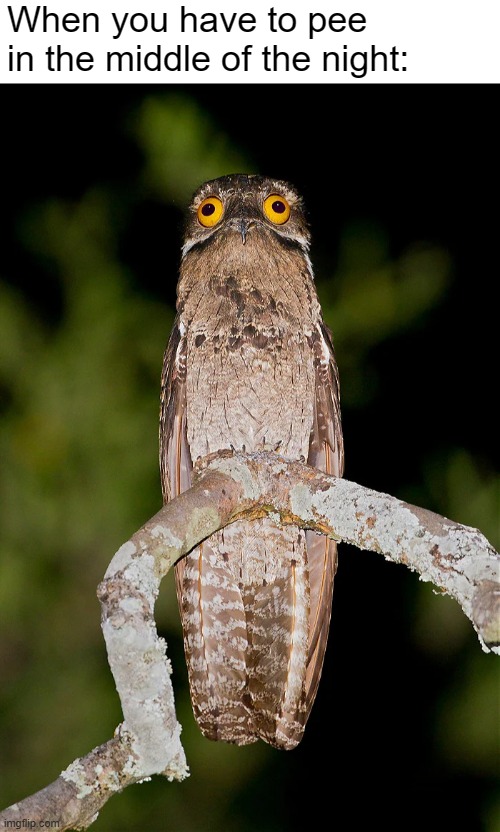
(457,559)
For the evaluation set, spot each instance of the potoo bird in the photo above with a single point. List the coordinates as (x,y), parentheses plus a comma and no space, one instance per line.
(250,365)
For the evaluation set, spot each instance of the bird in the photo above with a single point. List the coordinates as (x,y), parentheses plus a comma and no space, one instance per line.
(250,366)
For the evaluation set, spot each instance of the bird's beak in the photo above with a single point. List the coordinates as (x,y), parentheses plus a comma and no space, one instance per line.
(244,226)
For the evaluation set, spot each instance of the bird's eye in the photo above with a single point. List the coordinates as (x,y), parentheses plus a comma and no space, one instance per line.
(276,209)
(210,211)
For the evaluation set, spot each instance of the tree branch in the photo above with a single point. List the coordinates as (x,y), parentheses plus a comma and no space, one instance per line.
(457,559)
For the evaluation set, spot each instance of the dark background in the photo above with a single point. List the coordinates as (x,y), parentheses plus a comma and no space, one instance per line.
(399,184)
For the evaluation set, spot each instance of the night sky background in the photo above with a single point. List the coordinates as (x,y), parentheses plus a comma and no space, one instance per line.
(399,183)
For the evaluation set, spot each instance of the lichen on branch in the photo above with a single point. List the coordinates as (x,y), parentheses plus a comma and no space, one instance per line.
(457,559)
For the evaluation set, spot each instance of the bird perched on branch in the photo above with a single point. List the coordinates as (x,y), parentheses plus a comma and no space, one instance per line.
(250,365)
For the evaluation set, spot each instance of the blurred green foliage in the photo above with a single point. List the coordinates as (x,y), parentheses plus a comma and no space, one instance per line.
(78,444)
(372,298)
(182,147)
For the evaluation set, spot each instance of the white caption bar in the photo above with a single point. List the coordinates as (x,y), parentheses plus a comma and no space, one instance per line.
(370,41)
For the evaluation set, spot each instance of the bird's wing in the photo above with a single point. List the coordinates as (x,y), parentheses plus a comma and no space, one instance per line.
(175,457)
(326,452)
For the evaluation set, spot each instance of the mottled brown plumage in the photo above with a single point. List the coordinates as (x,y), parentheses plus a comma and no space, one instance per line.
(250,364)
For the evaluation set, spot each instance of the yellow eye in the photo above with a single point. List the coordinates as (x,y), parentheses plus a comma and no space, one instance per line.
(276,209)
(210,211)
